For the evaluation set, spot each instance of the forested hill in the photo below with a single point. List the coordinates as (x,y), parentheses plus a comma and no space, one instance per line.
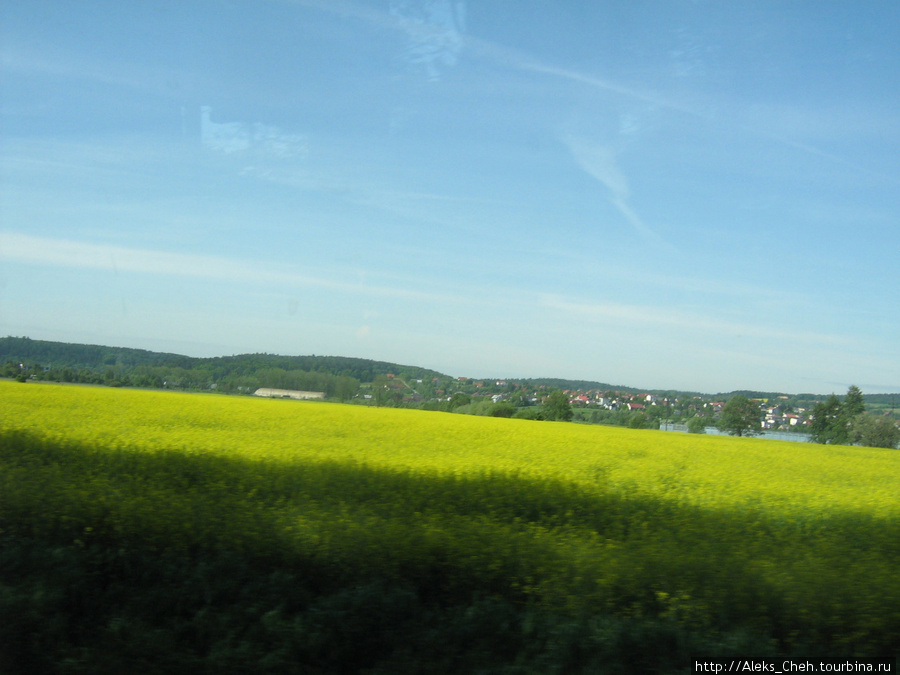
(336,375)
(65,354)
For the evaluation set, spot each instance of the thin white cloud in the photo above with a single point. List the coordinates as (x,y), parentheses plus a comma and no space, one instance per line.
(435,28)
(635,220)
(599,162)
(54,61)
(639,274)
(770,130)
(266,142)
(663,319)
(645,96)
(22,248)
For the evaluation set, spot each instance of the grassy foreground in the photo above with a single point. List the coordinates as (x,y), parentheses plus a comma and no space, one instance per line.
(214,534)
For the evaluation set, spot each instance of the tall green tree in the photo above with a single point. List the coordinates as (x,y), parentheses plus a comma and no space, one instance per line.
(696,425)
(852,407)
(853,404)
(557,407)
(833,420)
(740,417)
(381,391)
(824,427)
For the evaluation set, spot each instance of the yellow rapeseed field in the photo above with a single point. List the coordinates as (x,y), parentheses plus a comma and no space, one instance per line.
(798,542)
(712,471)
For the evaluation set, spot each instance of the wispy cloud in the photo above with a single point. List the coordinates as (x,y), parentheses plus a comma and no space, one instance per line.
(787,127)
(435,29)
(54,61)
(663,319)
(777,123)
(786,124)
(22,248)
(452,18)
(599,161)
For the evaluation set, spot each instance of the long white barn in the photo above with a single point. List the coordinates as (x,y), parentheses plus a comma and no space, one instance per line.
(289,393)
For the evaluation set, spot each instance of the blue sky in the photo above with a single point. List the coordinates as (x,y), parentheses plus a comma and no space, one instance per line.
(689,195)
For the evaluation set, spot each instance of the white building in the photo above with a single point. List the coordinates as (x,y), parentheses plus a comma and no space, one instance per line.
(289,393)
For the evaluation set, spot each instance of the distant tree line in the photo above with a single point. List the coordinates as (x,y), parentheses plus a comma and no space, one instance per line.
(26,359)
(189,379)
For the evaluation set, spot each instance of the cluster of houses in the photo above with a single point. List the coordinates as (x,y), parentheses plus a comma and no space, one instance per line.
(773,417)
(623,401)
(774,414)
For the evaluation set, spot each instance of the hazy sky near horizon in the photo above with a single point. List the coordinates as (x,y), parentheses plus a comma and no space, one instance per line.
(680,194)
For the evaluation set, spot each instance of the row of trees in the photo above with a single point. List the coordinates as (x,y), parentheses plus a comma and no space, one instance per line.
(555,407)
(834,421)
(340,387)
(845,422)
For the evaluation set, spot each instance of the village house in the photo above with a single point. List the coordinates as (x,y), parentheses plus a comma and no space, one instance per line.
(266,392)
